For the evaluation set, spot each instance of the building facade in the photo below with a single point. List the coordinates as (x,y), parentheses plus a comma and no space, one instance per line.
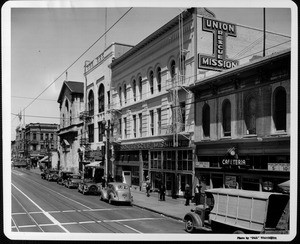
(71,104)
(242,125)
(152,105)
(97,116)
(39,144)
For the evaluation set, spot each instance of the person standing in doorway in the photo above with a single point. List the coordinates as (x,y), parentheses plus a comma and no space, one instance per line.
(148,186)
(162,191)
(197,194)
(187,194)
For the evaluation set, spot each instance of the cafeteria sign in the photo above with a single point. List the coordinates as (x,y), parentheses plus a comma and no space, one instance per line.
(220,31)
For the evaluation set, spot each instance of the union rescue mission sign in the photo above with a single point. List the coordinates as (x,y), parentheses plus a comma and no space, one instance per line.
(220,31)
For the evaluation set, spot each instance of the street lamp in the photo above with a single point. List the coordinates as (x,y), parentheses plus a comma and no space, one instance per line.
(108,169)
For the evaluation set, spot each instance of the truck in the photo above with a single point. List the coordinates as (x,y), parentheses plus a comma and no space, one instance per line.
(240,211)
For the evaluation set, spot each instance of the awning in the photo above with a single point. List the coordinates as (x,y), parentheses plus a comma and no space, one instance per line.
(43,159)
(94,164)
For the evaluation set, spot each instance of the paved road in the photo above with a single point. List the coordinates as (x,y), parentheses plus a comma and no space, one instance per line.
(42,206)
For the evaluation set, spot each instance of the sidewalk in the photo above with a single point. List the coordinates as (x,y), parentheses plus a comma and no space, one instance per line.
(174,208)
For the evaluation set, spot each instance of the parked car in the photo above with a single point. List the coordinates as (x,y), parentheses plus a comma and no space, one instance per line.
(52,175)
(116,192)
(73,180)
(89,186)
(240,211)
(62,176)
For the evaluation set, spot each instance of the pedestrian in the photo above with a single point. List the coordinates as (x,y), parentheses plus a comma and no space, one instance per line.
(187,194)
(162,191)
(197,194)
(148,186)
(103,182)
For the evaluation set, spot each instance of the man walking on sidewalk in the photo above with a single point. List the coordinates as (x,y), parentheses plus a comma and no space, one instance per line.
(162,191)
(148,186)
(187,194)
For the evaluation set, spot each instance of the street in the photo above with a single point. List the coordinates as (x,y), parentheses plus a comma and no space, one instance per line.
(42,206)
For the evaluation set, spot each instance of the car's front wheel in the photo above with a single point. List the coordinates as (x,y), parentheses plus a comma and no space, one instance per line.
(189,225)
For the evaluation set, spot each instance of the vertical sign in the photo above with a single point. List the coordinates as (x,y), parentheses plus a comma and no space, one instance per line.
(218,61)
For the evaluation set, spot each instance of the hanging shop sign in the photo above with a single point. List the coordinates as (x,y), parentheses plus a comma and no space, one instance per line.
(218,60)
(201,164)
(231,161)
(151,145)
(279,167)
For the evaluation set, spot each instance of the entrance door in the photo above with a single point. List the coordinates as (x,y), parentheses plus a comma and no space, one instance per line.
(185,179)
(126,175)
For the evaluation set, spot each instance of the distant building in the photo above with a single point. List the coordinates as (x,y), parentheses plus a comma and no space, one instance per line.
(37,143)
(70,131)
(242,125)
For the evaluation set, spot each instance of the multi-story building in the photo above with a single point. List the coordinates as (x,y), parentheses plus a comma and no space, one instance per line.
(70,131)
(97,115)
(152,106)
(40,144)
(242,125)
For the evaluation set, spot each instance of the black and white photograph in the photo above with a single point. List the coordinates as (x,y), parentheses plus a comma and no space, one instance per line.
(150,120)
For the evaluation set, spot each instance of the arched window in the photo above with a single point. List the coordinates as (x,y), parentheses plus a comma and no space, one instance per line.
(120,95)
(206,120)
(141,87)
(67,105)
(151,76)
(125,94)
(173,70)
(101,98)
(226,118)
(134,90)
(70,117)
(250,115)
(158,74)
(279,114)
(91,103)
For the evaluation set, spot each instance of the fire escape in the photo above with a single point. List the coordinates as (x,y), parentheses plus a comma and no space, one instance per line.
(84,140)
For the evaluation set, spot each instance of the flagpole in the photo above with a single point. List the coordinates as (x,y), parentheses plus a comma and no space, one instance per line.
(264,32)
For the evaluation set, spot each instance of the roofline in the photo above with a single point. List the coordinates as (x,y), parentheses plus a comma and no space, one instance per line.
(186,13)
(242,68)
(65,83)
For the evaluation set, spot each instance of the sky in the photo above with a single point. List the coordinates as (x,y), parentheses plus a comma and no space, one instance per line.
(46,41)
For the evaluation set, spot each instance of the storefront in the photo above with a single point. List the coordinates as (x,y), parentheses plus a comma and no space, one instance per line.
(260,170)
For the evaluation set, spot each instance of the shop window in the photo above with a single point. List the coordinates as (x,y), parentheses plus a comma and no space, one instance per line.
(169,161)
(151,76)
(156,160)
(251,184)
(250,115)
(217,180)
(134,90)
(101,98)
(206,120)
(279,113)
(226,118)
(158,74)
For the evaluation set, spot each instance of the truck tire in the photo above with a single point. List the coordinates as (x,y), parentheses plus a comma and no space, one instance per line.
(189,225)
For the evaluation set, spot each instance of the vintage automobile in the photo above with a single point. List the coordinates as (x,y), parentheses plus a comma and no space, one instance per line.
(73,181)
(116,192)
(62,176)
(240,212)
(52,175)
(89,186)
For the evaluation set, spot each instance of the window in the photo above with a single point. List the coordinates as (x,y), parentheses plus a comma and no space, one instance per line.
(125,128)
(206,120)
(101,130)
(101,98)
(151,123)
(125,94)
(279,114)
(134,90)
(34,136)
(141,88)
(120,95)
(182,116)
(169,161)
(173,71)
(134,125)
(185,160)
(151,82)
(91,132)
(158,74)
(141,124)
(91,103)
(159,121)
(120,128)
(226,118)
(250,115)
(67,105)
(156,160)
